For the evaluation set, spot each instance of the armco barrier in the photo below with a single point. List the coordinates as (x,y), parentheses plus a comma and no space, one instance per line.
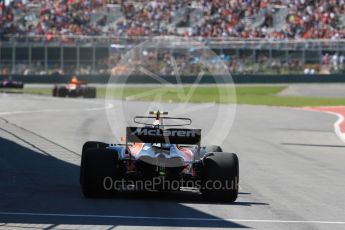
(143,79)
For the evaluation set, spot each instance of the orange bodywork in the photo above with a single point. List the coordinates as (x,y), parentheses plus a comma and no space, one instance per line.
(74,81)
(136,148)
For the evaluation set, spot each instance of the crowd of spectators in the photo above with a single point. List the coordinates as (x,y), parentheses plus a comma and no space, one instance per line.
(73,18)
(49,18)
(223,18)
(305,19)
(315,19)
(58,20)
(149,17)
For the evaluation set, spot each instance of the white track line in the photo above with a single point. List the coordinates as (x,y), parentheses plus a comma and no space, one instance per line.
(337,124)
(168,218)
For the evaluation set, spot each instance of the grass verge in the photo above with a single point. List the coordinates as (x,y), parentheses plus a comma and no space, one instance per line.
(253,95)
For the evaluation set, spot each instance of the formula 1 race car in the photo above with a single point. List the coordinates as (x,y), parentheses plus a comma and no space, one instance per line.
(11,84)
(74,88)
(156,157)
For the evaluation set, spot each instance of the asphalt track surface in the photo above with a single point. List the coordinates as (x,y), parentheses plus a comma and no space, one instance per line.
(291,168)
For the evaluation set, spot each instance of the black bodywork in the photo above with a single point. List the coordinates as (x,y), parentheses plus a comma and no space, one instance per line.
(11,84)
(79,89)
(159,158)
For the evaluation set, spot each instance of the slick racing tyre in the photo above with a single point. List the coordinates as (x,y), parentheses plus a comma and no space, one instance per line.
(220,177)
(210,149)
(99,171)
(213,148)
(86,146)
(62,92)
(20,85)
(94,145)
(90,92)
(55,92)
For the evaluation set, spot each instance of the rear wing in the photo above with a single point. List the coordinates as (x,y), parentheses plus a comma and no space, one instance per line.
(166,136)
(77,82)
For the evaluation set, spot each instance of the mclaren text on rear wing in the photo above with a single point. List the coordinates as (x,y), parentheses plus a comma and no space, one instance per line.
(169,136)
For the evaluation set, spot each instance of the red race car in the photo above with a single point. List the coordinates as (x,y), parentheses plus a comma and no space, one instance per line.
(74,88)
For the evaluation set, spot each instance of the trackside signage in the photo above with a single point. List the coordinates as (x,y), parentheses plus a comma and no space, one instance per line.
(155,135)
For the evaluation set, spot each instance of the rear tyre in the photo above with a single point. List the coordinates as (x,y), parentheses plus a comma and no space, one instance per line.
(86,146)
(94,145)
(213,148)
(220,177)
(210,149)
(90,92)
(99,171)
(55,91)
(62,92)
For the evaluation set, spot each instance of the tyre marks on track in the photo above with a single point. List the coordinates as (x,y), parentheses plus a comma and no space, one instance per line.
(37,142)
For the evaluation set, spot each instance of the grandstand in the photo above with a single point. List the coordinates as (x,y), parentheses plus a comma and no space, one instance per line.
(252,36)
(277,19)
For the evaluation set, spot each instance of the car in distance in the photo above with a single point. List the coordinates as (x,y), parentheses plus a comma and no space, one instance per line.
(162,155)
(74,88)
(11,84)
